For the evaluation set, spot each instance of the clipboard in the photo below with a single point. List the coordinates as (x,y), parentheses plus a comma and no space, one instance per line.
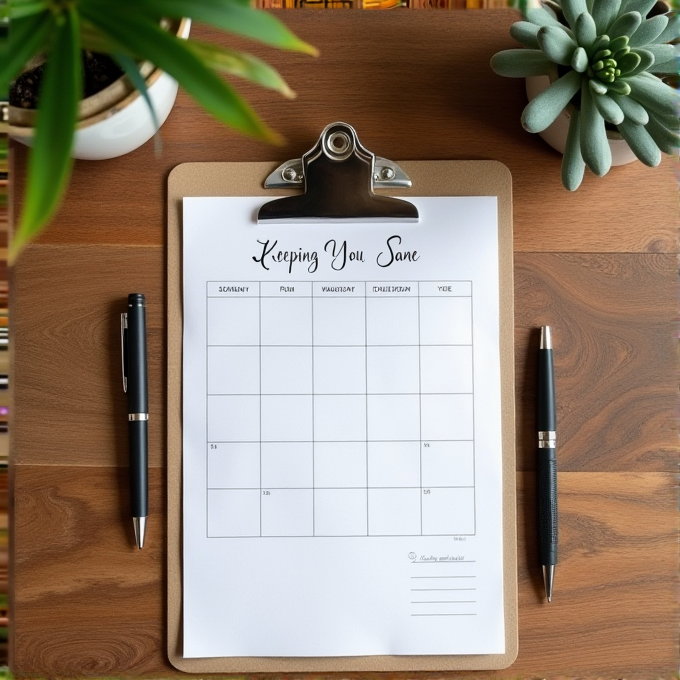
(429,178)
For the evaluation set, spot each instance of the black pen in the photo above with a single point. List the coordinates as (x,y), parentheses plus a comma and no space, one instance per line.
(546,423)
(133,341)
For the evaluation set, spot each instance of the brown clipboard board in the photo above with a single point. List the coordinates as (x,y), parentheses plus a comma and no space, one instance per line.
(430,178)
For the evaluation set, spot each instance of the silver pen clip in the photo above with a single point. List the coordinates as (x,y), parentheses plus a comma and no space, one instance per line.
(123,353)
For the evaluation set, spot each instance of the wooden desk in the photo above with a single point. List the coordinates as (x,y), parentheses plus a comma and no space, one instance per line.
(598,265)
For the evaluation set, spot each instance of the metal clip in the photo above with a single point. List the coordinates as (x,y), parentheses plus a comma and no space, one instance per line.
(123,353)
(386,175)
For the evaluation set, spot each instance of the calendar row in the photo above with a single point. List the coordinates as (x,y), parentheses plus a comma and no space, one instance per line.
(340,321)
(339,370)
(339,289)
(341,418)
(340,465)
(340,512)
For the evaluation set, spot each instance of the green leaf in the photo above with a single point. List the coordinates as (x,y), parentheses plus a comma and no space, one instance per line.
(585,30)
(625,25)
(541,17)
(667,140)
(131,70)
(608,108)
(18,10)
(573,165)
(604,12)
(632,110)
(49,165)
(641,6)
(649,31)
(556,44)
(646,60)
(240,64)
(572,9)
(524,32)
(542,111)
(579,62)
(666,68)
(520,63)
(598,87)
(653,94)
(144,37)
(672,31)
(225,14)
(594,144)
(27,38)
(641,143)
(630,61)
(661,53)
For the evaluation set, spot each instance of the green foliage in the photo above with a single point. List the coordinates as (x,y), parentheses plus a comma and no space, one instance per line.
(609,50)
(131,32)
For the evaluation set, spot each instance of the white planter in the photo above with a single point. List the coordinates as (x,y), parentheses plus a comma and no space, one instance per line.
(556,134)
(116,120)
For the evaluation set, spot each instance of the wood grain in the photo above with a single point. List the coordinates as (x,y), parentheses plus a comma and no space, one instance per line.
(613,319)
(69,404)
(87,602)
(417,86)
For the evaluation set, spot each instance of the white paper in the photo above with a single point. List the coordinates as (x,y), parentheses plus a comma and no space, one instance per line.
(342,456)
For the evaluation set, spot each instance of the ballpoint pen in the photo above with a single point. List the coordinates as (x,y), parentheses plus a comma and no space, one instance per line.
(547,462)
(133,343)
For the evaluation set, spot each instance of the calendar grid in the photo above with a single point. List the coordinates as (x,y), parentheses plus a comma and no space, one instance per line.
(295,370)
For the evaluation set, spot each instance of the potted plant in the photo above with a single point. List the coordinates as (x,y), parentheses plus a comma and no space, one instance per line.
(141,37)
(607,60)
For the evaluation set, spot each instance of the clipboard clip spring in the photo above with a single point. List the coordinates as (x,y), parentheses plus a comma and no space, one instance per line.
(338,175)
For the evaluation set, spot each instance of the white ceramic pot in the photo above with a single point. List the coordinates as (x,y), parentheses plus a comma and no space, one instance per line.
(116,120)
(556,134)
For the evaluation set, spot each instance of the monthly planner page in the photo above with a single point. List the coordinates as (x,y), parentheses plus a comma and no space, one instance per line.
(342,462)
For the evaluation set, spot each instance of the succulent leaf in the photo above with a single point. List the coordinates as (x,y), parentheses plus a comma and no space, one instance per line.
(604,12)
(672,30)
(649,31)
(524,32)
(646,60)
(670,67)
(620,87)
(667,140)
(600,43)
(632,110)
(594,145)
(625,25)
(585,30)
(653,94)
(520,63)
(572,9)
(597,87)
(542,111)
(630,61)
(641,143)
(641,6)
(579,60)
(573,165)
(541,17)
(618,44)
(556,44)
(661,53)
(670,122)
(608,109)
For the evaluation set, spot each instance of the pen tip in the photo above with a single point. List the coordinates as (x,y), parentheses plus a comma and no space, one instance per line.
(139,524)
(546,338)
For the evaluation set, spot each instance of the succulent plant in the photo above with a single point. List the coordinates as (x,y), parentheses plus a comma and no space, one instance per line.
(610,59)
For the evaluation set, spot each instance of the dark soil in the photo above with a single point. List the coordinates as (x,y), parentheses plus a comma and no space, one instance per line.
(99,71)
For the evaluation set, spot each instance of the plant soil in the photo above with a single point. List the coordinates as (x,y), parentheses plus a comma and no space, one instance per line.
(99,71)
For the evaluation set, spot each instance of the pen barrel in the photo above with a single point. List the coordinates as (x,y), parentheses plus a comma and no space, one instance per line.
(139,488)
(547,505)
(138,401)
(545,417)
